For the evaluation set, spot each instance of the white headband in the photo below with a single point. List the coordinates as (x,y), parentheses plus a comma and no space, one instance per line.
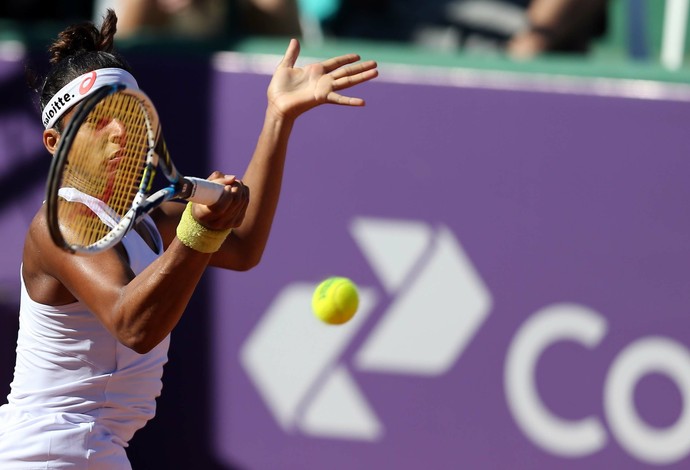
(80,88)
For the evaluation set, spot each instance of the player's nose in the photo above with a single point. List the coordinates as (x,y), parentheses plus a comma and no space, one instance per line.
(117,132)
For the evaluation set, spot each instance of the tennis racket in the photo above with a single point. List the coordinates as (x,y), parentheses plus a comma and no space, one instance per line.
(101,179)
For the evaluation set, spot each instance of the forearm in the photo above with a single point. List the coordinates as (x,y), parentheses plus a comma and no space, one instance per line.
(150,306)
(264,177)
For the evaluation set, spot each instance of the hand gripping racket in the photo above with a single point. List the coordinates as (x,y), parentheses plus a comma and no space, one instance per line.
(102,174)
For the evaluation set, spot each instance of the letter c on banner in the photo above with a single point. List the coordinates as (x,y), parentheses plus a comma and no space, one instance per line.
(88,82)
(560,322)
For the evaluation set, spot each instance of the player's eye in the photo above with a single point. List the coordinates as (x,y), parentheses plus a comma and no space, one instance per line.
(102,123)
(98,123)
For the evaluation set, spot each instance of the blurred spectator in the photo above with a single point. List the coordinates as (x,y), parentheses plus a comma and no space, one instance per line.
(204,18)
(198,18)
(520,28)
(269,17)
(559,26)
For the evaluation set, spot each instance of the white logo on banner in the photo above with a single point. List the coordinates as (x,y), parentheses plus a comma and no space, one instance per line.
(439,299)
(583,437)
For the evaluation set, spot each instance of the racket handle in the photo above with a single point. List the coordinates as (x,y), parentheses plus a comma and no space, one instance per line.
(204,191)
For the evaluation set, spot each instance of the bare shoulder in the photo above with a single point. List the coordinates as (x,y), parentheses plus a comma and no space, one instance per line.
(37,237)
(39,256)
(54,276)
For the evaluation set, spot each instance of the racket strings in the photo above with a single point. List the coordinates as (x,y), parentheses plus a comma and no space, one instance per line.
(106,163)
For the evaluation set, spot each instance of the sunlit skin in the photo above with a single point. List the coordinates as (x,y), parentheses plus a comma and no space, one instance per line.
(113,134)
(140,311)
(102,163)
(99,150)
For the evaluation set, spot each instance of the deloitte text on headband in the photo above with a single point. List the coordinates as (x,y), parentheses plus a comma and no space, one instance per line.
(80,88)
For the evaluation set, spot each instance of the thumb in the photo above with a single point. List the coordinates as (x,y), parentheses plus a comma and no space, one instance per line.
(222,178)
(291,54)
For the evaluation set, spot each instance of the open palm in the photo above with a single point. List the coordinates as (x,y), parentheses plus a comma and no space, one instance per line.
(294,90)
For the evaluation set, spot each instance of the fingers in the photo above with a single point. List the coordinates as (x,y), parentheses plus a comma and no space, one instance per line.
(352,80)
(230,209)
(335,98)
(334,63)
(350,76)
(240,189)
(221,178)
(240,202)
(231,181)
(367,67)
(235,191)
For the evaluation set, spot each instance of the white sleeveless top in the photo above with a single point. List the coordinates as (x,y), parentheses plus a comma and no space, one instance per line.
(78,395)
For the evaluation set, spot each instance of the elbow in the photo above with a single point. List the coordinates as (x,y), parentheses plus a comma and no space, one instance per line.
(248,263)
(139,342)
(242,260)
(142,347)
(142,329)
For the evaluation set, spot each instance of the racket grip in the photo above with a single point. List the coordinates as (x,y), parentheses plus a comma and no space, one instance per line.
(204,191)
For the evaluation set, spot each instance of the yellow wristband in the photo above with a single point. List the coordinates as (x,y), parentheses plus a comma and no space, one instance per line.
(196,236)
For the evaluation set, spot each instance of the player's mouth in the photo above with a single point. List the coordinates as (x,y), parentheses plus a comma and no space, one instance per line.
(115,159)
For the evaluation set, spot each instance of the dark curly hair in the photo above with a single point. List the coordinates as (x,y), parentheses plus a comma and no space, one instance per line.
(79,49)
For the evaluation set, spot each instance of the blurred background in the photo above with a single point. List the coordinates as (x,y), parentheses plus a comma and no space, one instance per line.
(512,202)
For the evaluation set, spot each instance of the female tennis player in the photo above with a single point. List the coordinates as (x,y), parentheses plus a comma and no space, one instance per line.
(94,329)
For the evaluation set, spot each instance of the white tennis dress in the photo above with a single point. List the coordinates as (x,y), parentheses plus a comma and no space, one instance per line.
(78,395)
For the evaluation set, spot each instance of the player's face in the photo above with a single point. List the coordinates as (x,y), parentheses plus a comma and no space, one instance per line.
(106,158)
(107,138)
(96,155)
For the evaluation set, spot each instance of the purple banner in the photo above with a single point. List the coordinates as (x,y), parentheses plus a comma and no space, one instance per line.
(523,260)
(23,161)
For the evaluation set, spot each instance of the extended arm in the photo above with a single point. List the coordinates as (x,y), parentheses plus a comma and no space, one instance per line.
(292,92)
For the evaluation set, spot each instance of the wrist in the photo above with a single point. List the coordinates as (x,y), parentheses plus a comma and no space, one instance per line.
(197,237)
(275,114)
(278,123)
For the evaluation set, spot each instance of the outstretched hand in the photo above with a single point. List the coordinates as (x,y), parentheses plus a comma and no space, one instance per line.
(294,90)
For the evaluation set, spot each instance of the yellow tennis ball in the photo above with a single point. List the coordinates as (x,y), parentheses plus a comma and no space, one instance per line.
(335,300)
